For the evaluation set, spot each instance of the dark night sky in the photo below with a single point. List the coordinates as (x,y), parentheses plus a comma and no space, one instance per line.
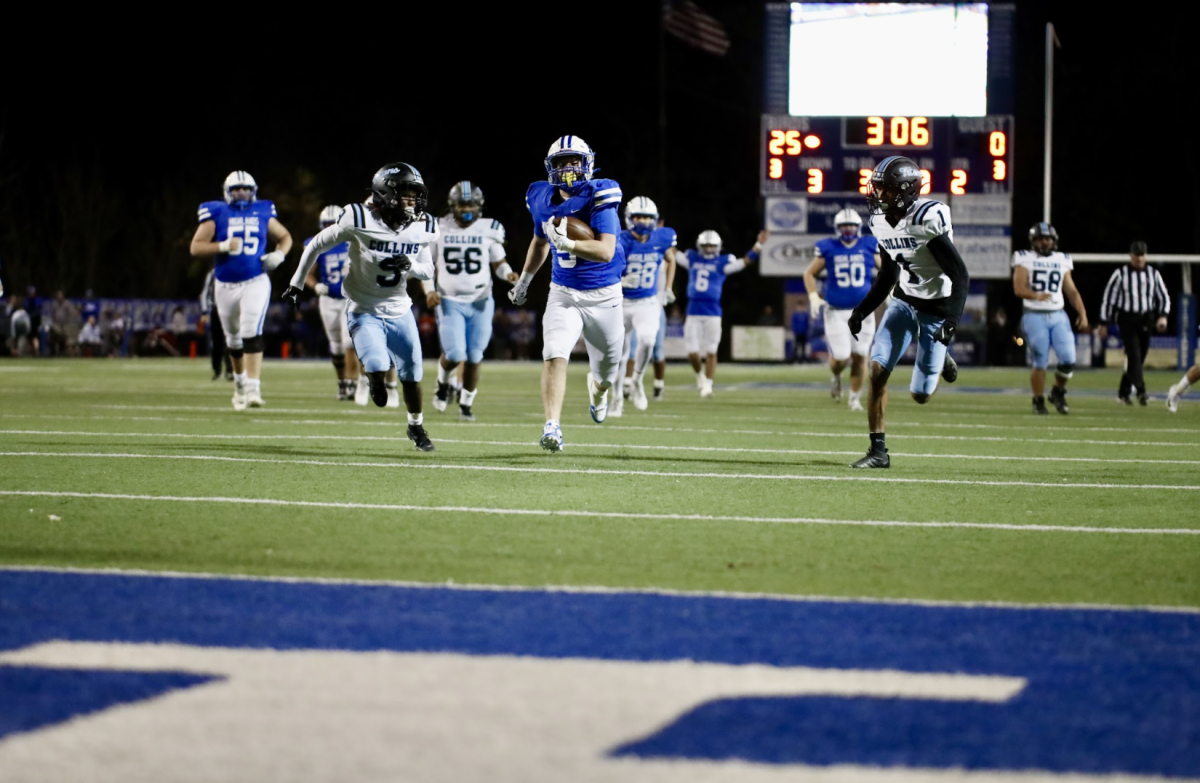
(140,126)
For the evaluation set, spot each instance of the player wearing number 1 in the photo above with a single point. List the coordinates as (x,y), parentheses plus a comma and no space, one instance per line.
(1041,276)
(235,233)
(916,240)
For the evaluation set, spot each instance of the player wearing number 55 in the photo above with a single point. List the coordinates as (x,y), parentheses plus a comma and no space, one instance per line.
(235,233)
(388,238)
(1041,275)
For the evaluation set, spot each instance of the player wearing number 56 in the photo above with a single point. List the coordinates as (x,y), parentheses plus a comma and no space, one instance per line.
(916,242)
(1041,275)
(388,239)
(235,232)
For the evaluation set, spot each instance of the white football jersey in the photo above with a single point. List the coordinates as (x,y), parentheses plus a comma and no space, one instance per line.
(1046,274)
(920,275)
(373,284)
(464,258)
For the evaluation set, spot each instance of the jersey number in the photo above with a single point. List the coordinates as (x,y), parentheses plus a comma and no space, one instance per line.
(648,273)
(907,265)
(701,279)
(1046,280)
(391,265)
(456,258)
(249,240)
(849,274)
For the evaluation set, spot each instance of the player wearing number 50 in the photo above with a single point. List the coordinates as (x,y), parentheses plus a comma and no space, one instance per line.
(389,237)
(585,278)
(1041,276)
(849,261)
(235,232)
(468,252)
(916,240)
(325,278)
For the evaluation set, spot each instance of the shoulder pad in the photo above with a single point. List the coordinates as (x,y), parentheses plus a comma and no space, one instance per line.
(497,230)
(1067,256)
(209,210)
(536,189)
(605,192)
(353,216)
(670,236)
(270,205)
(431,224)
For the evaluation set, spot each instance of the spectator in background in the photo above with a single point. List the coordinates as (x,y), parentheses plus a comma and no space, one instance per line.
(800,334)
(64,322)
(90,308)
(768,317)
(90,340)
(112,330)
(1136,298)
(524,330)
(501,345)
(216,335)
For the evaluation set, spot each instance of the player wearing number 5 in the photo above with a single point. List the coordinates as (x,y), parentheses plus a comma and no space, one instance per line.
(235,232)
(1041,275)
(849,261)
(916,240)
(468,252)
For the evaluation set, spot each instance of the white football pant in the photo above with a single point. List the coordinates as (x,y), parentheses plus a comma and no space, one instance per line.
(597,315)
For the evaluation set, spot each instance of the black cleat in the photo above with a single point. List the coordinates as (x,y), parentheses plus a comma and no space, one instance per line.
(229,375)
(441,397)
(1039,406)
(950,370)
(1058,397)
(417,434)
(217,375)
(1124,399)
(1143,399)
(874,459)
(464,413)
(658,392)
(379,392)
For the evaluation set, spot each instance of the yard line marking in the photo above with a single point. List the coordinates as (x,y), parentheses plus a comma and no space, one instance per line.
(575,444)
(591,471)
(602,514)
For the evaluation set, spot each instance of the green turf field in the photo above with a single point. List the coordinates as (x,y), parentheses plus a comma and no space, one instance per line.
(143,464)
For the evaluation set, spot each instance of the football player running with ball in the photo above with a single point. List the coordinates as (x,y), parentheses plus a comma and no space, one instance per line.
(325,278)
(389,239)
(916,240)
(468,252)
(585,278)
(235,232)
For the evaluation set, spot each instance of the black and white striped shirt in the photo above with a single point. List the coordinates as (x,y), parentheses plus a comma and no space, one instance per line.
(1131,290)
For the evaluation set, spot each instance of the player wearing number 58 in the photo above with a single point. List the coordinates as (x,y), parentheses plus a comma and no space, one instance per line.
(235,232)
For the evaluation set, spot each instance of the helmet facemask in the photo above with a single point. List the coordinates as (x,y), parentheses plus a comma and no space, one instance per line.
(567,171)
(466,212)
(643,225)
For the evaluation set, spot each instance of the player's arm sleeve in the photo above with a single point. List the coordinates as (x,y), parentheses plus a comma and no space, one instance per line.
(681,258)
(734,265)
(946,254)
(327,239)
(205,212)
(497,253)
(422,265)
(884,282)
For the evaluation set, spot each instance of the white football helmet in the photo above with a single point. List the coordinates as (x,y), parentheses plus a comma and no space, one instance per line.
(709,238)
(847,217)
(640,206)
(570,177)
(330,215)
(240,179)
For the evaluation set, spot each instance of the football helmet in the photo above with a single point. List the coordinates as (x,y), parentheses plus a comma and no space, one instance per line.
(390,183)
(848,224)
(466,202)
(240,179)
(709,238)
(570,178)
(895,184)
(330,215)
(640,206)
(1043,230)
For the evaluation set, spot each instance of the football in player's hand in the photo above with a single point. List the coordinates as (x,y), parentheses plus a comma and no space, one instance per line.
(576,228)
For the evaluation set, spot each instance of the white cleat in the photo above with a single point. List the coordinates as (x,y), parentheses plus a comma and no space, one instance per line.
(362,392)
(616,408)
(707,389)
(255,400)
(855,405)
(239,399)
(1173,396)
(552,439)
(393,398)
(598,401)
(835,387)
(638,396)
(626,388)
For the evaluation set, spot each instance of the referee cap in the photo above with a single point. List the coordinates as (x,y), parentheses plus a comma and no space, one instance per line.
(1138,248)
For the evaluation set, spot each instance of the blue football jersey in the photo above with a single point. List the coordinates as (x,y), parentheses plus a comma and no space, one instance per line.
(849,271)
(595,203)
(249,224)
(646,259)
(332,266)
(706,278)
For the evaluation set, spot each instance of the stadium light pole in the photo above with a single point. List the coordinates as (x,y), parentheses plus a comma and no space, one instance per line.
(1051,44)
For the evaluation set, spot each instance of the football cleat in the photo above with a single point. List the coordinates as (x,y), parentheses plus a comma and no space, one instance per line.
(362,391)
(1058,397)
(638,397)
(254,399)
(659,393)
(417,434)
(217,375)
(441,397)
(598,401)
(1124,399)
(835,387)
(874,459)
(1039,406)
(228,375)
(344,392)
(707,389)
(379,390)
(950,370)
(626,387)
(616,408)
(239,398)
(552,439)
(1173,396)
(464,413)
(855,405)
(393,397)
(1143,399)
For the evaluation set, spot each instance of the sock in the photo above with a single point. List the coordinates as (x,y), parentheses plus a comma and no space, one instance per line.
(877,443)
(443,374)
(467,398)
(1183,384)
(416,418)
(660,384)
(854,395)
(700,376)
(392,384)
(551,423)
(253,385)
(628,381)
(239,378)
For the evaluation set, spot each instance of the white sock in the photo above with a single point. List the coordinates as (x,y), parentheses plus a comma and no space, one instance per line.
(443,374)
(552,422)
(467,397)
(854,395)
(660,384)
(239,378)
(416,418)
(392,384)
(253,384)
(1183,384)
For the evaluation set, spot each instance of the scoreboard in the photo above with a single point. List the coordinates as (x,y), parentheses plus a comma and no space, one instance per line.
(813,167)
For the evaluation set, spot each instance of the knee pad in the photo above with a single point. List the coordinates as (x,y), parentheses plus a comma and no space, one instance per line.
(235,353)
(1065,370)
(920,398)
(253,344)
(456,357)
(339,361)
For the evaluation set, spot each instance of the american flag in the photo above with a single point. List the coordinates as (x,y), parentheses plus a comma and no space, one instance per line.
(690,24)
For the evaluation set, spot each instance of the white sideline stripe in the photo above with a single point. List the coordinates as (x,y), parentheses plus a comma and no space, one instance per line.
(603,590)
(594,471)
(537,512)
(644,447)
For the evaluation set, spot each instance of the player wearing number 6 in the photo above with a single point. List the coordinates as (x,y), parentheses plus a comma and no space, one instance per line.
(916,240)
(468,252)
(235,233)
(849,261)
(1040,276)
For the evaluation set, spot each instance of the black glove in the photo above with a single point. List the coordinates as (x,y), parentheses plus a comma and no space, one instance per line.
(292,294)
(945,332)
(855,324)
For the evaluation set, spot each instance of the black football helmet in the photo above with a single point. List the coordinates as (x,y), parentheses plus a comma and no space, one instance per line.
(1040,230)
(393,181)
(466,202)
(895,184)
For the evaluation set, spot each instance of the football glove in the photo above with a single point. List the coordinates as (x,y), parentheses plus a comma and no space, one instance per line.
(670,296)
(815,303)
(855,323)
(321,289)
(945,332)
(292,294)
(631,280)
(518,292)
(271,260)
(558,236)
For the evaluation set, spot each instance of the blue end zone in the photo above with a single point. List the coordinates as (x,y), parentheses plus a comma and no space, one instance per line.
(1108,691)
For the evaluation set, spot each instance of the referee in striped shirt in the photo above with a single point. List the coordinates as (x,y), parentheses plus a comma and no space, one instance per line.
(1136,299)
